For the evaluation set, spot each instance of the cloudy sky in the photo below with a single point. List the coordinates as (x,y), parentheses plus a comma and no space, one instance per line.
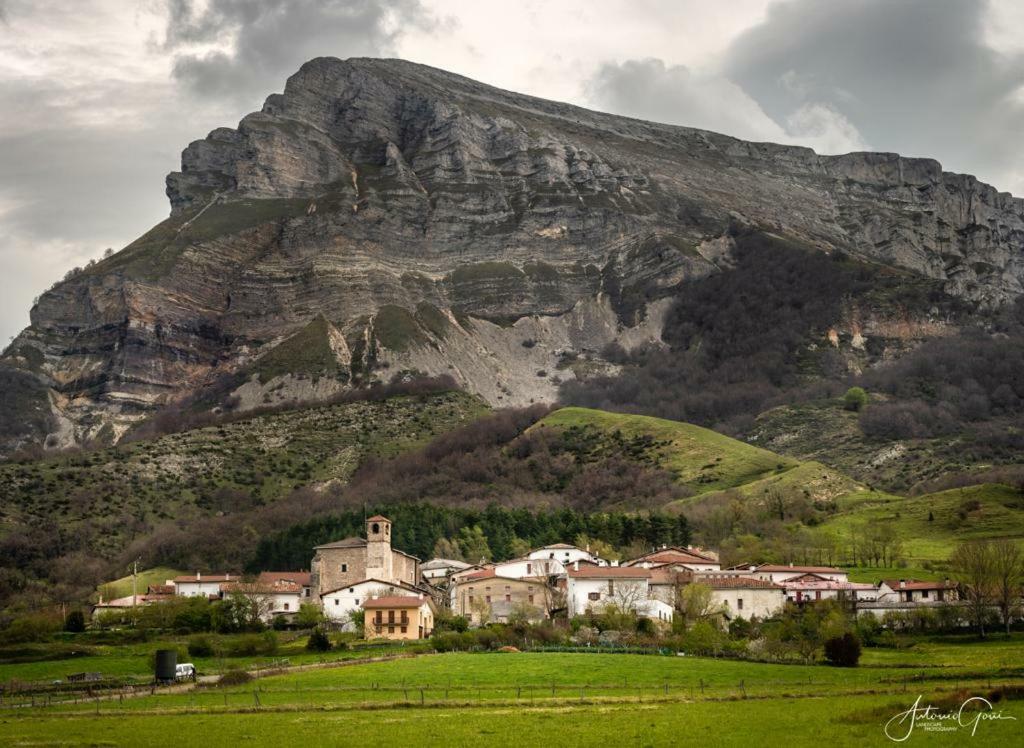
(98,97)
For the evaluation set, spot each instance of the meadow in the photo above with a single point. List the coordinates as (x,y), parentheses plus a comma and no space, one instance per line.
(573,699)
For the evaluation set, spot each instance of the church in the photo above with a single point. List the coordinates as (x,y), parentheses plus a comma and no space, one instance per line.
(349,565)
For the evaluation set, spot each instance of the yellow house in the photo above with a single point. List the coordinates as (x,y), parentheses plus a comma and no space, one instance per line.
(398,617)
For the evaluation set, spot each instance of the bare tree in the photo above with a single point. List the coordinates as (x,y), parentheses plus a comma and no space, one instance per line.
(628,595)
(1007,573)
(776,502)
(697,602)
(972,563)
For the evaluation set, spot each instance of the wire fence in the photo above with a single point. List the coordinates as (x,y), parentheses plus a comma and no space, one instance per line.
(457,692)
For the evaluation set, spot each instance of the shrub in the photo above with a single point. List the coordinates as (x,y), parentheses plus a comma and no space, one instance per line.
(843,651)
(280,623)
(318,641)
(249,645)
(200,646)
(75,622)
(234,677)
(855,399)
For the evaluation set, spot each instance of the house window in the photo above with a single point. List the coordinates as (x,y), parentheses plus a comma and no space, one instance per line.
(487,589)
(594,596)
(924,594)
(404,629)
(357,601)
(344,568)
(529,568)
(391,629)
(391,616)
(551,555)
(488,598)
(531,599)
(286,606)
(351,589)
(337,601)
(508,598)
(470,599)
(508,587)
(530,588)
(739,603)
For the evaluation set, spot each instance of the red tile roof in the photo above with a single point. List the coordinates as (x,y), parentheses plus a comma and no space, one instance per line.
(744,583)
(303,578)
(916,584)
(609,572)
(801,569)
(395,601)
(674,553)
(280,587)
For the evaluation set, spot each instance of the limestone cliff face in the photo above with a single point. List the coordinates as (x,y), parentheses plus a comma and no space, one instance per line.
(439,224)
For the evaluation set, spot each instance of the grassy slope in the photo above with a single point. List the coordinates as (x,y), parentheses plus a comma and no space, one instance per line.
(180,475)
(702,459)
(989,511)
(123,587)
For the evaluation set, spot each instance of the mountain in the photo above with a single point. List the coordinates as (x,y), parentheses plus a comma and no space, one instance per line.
(381,217)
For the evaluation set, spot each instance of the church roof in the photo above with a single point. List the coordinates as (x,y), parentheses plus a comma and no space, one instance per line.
(378,518)
(346,543)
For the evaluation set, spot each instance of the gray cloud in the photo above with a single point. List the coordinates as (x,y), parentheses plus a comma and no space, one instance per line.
(674,94)
(266,40)
(916,77)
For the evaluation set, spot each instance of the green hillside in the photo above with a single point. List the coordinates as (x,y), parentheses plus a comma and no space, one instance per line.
(123,587)
(931,526)
(110,495)
(703,460)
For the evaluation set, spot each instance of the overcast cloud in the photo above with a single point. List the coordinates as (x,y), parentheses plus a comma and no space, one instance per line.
(98,97)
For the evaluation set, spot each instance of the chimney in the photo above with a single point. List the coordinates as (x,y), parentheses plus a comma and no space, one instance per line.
(751,568)
(903,583)
(576,565)
(199,576)
(790,564)
(946,581)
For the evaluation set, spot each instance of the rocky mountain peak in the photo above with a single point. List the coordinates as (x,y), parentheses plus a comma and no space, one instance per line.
(437,224)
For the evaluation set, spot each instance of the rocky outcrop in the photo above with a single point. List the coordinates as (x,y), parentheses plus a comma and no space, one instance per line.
(439,224)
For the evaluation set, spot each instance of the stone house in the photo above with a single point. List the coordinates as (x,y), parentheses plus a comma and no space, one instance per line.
(488,597)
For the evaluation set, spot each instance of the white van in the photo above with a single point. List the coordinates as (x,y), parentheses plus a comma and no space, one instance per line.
(185,671)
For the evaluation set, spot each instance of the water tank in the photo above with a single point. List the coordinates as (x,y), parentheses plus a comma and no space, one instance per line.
(166,663)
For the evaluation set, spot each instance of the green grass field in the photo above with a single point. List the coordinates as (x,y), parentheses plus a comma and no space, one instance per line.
(568,699)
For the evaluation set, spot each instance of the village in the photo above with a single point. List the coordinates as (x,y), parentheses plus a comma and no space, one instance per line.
(376,591)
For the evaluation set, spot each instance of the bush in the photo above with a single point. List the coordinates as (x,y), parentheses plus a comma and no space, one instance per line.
(843,651)
(75,622)
(234,677)
(249,645)
(280,623)
(200,646)
(855,399)
(30,628)
(318,641)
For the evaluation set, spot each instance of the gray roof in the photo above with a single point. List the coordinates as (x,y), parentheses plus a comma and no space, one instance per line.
(346,543)
(441,563)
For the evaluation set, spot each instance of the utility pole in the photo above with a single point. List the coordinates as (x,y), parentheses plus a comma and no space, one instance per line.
(135,583)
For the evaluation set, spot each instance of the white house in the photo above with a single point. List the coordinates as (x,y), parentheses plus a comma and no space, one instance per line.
(441,568)
(691,559)
(743,597)
(339,604)
(200,585)
(915,591)
(273,597)
(814,587)
(785,572)
(561,552)
(592,587)
(527,566)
